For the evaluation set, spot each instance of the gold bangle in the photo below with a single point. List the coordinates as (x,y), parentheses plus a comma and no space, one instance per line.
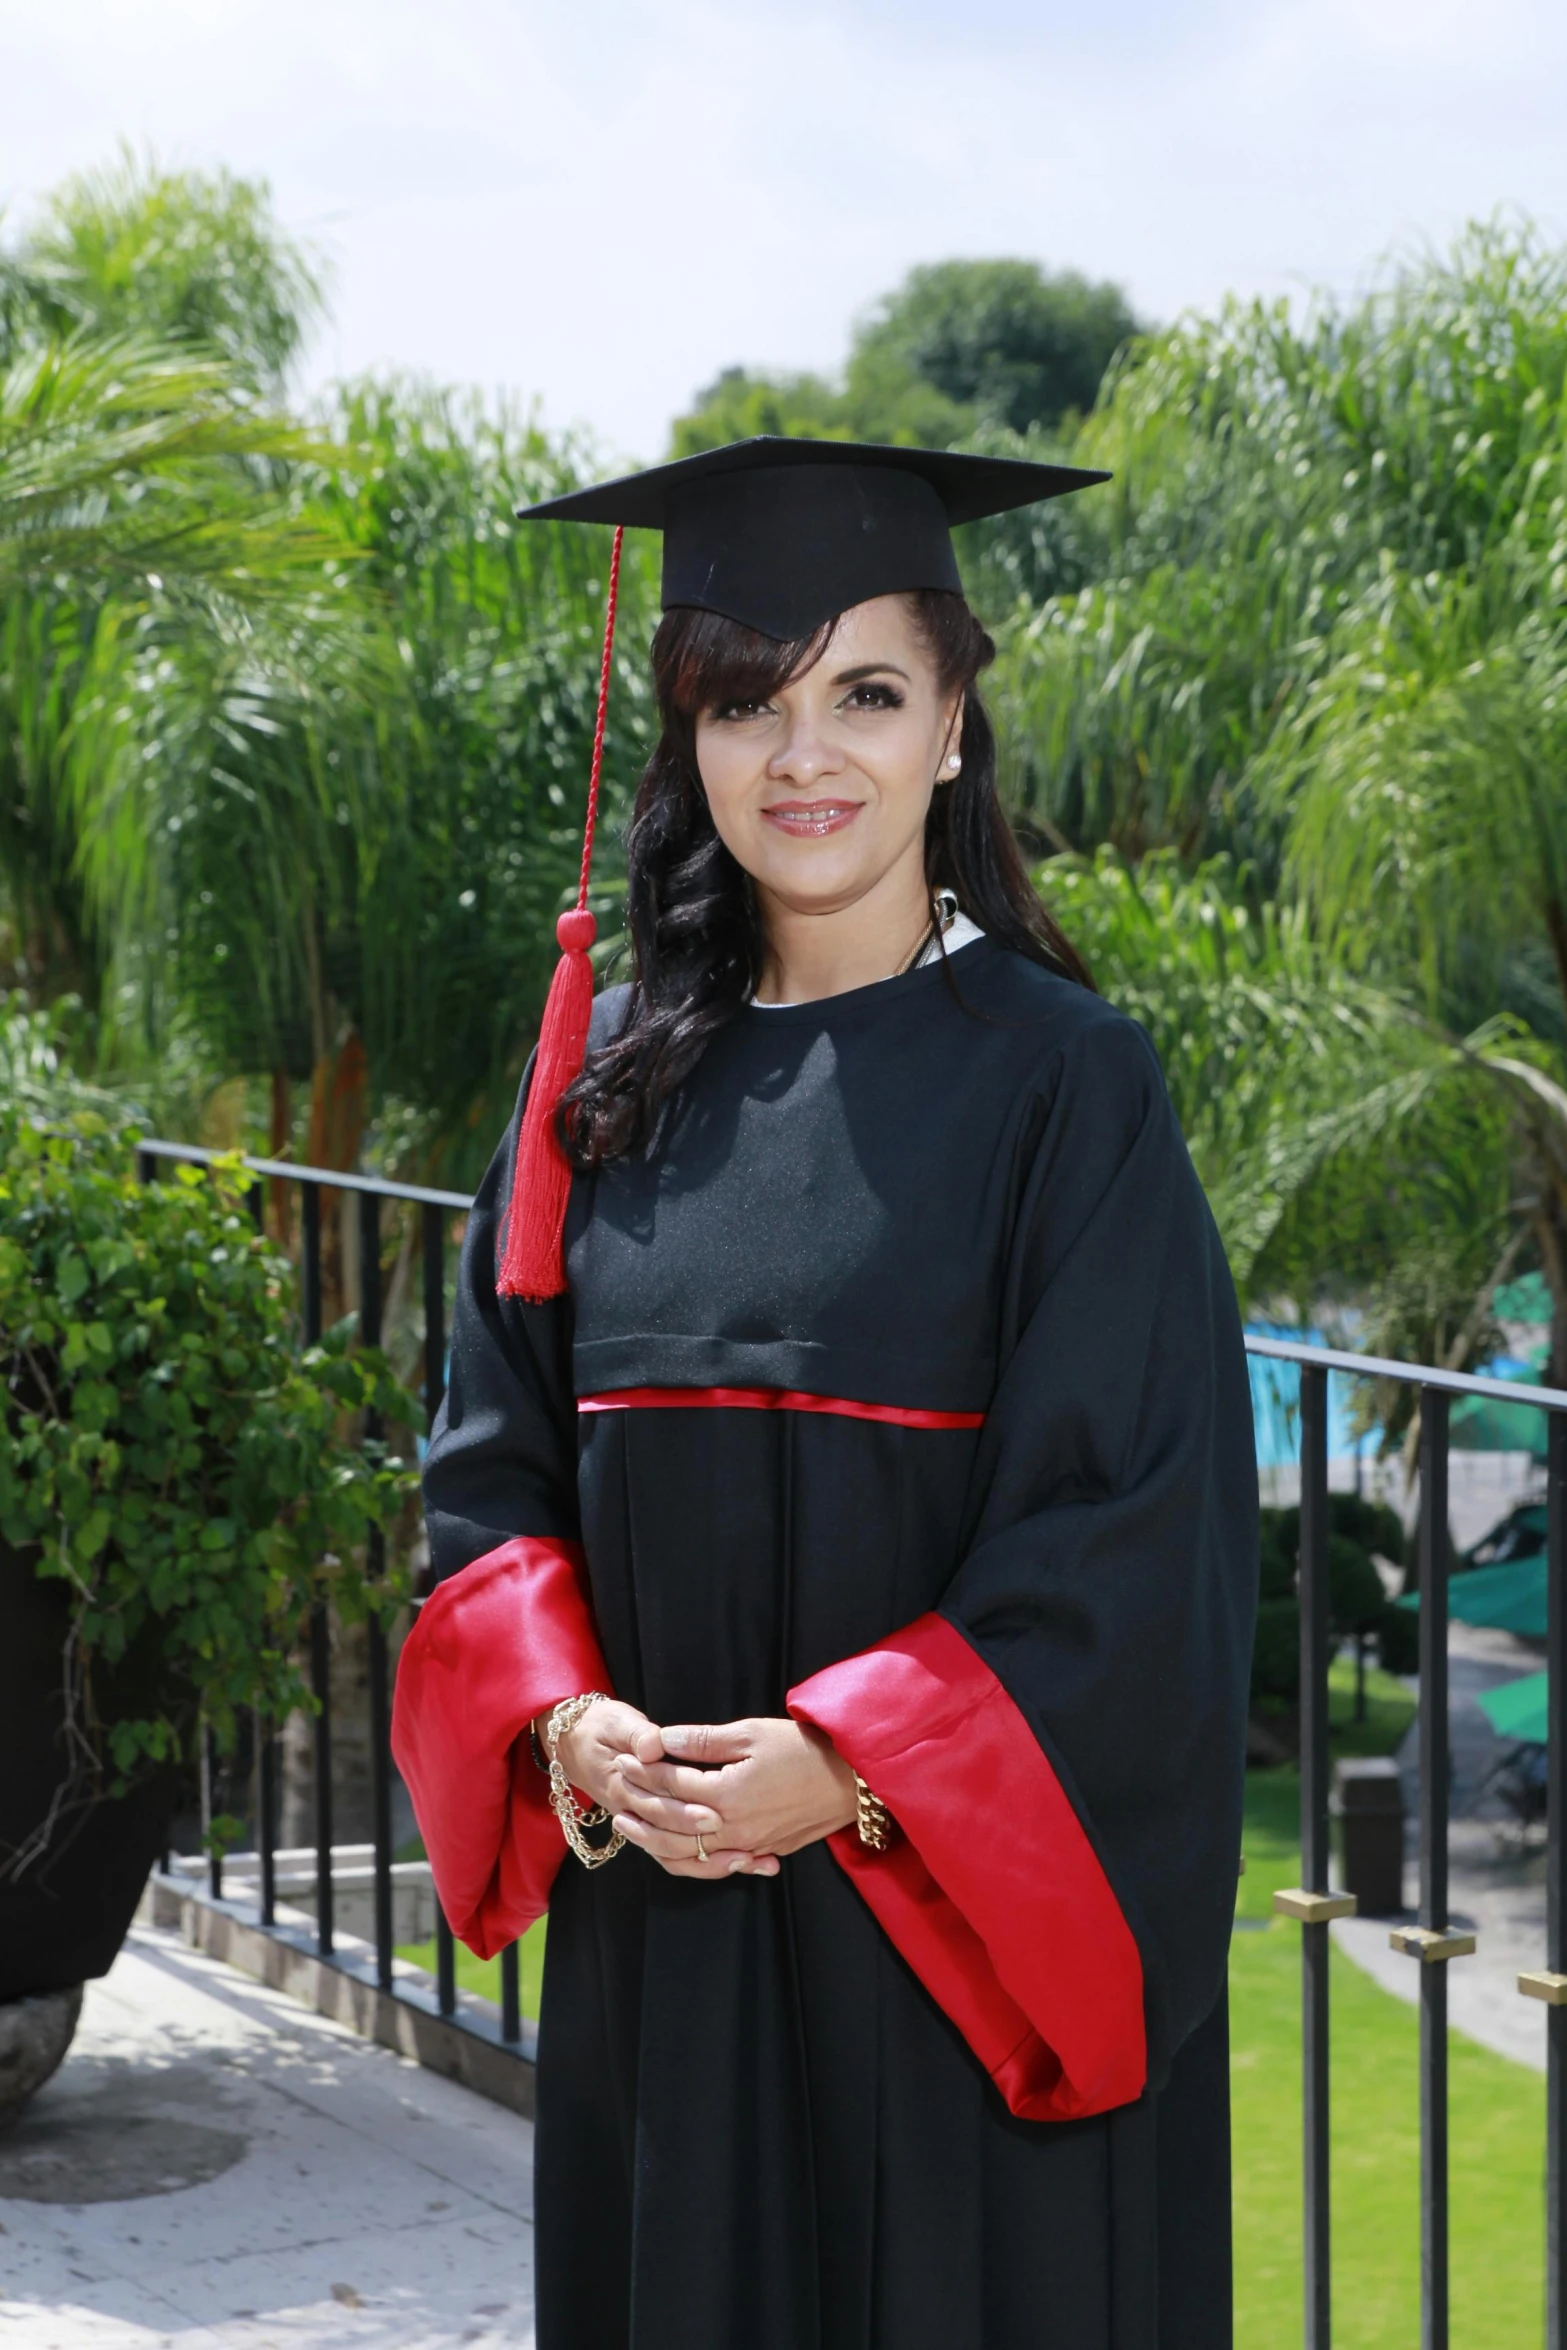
(870,1818)
(563,1802)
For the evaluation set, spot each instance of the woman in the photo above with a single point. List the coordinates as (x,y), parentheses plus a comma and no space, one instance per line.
(865,1532)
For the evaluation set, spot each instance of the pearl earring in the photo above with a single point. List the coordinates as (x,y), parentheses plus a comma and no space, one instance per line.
(954,762)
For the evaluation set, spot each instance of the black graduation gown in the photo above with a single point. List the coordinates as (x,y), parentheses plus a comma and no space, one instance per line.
(902,1388)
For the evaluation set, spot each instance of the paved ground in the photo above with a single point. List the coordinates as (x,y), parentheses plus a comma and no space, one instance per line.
(215,2165)
(1497,1881)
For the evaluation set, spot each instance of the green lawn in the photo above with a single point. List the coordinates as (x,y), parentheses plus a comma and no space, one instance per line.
(1389,1709)
(1498,2142)
(483,1975)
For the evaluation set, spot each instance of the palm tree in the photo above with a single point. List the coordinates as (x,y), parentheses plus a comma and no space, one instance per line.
(1320,631)
(353,822)
(190,258)
(1425,782)
(1270,477)
(137,495)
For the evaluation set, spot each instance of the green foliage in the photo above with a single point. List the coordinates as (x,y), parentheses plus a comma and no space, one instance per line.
(143,506)
(1373,1525)
(168,1454)
(1358,1604)
(294,729)
(738,404)
(1279,1554)
(1323,638)
(1275,1661)
(1272,478)
(1421,777)
(1281,1064)
(1398,1640)
(37,1049)
(1355,1153)
(181,256)
(364,813)
(1006,342)
(1356,1598)
(959,348)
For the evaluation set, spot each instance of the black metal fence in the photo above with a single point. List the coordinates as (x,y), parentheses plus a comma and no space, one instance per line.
(436,1210)
(1431,1943)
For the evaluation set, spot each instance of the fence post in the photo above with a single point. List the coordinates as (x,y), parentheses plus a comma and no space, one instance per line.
(433,1244)
(511,1995)
(1433,1867)
(1311,1902)
(320,1627)
(209,1810)
(1314,1849)
(266,1813)
(375,1566)
(1556,1884)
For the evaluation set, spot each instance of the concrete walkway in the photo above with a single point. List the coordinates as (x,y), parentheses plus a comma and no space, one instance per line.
(216,2165)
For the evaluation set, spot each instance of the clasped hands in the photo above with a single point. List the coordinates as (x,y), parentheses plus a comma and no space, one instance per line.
(751,1790)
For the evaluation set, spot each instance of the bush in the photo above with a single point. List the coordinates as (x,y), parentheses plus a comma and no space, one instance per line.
(1372,1525)
(167,1452)
(1275,1659)
(1398,1640)
(1280,1555)
(1357,1601)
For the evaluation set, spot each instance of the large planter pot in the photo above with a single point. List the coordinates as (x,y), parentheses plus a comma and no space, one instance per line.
(65,1914)
(34,2036)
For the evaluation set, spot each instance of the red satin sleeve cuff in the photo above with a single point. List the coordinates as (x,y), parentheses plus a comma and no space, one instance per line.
(991,1891)
(492,1647)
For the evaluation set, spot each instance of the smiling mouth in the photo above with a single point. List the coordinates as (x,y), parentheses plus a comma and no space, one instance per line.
(810,819)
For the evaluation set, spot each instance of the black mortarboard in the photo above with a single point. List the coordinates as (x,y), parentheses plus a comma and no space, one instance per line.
(784,534)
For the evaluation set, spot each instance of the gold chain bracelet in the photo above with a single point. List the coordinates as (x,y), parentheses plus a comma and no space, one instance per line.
(870,1818)
(563,1802)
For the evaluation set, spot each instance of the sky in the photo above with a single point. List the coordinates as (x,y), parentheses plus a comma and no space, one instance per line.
(595,205)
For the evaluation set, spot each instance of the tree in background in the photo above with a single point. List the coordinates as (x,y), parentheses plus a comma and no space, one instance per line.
(960,347)
(360,823)
(140,498)
(294,725)
(1006,342)
(1316,630)
(147,500)
(182,257)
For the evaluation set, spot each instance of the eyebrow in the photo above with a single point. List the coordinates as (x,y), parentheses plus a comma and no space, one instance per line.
(870,669)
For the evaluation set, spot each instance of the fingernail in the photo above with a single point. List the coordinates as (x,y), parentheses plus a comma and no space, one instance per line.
(737,1868)
(674,1741)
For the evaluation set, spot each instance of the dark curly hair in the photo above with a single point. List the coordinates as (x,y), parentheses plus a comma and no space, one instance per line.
(697,944)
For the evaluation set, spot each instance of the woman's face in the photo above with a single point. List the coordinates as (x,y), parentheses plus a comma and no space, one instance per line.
(821,792)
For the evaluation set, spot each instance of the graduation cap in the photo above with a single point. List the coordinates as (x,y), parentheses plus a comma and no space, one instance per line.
(781,536)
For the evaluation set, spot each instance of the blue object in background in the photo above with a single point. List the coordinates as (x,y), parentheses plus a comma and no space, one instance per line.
(1478,1423)
(1275,1404)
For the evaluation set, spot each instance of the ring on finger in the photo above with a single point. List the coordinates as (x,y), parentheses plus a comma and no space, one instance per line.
(701,1848)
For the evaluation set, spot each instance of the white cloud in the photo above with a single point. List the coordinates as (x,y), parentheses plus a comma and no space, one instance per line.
(602,205)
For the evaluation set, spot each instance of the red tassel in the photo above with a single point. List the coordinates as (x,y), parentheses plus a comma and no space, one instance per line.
(534,1263)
